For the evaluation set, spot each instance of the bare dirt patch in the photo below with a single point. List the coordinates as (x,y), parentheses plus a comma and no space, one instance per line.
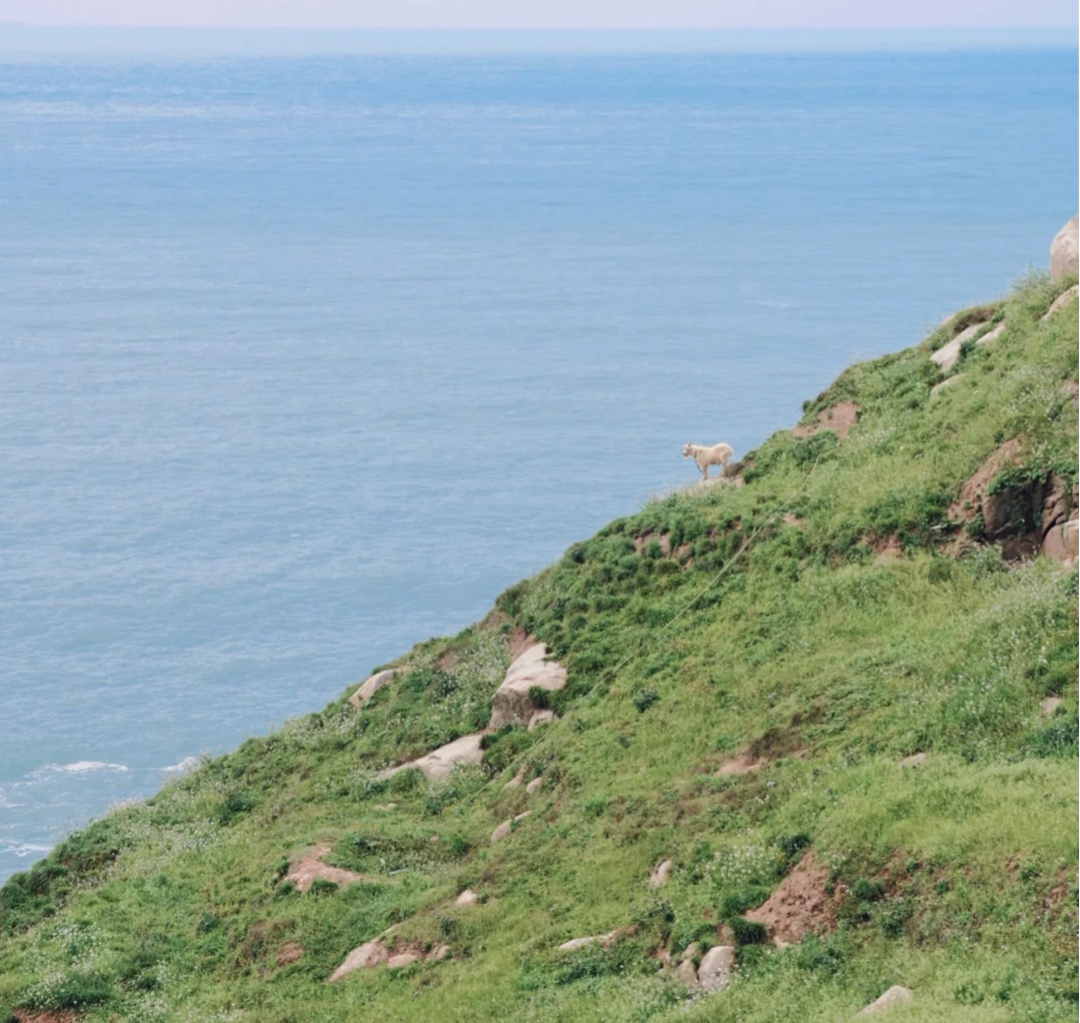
(304,871)
(840,419)
(45,1016)
(800,906)
(289,953)
(643,541)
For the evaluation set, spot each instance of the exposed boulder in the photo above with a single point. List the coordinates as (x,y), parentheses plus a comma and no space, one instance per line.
(714,973)
(1062,543)
(896,995)
(541,717)
(945,384)
(686,973)
(373,684)
(1050,705)
(534,785)
(1064,299)
(915,760)
(467,898)
(505,828)
(1065,251)
(661,873)
(992,335)
(304,871)
(593,939)
(400,959)
(365,956)
(948,355)
(441,762)
(511,704)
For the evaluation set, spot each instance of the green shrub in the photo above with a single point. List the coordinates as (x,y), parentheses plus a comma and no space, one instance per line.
(748,932)
(644,698)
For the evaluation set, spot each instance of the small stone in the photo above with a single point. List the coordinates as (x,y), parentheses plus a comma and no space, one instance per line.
(660,874)
(504,829)
(534,785)
(575,943)
(514,782)
(896,995)
(714,973)
(467,898)
(915,760)
(1050,705)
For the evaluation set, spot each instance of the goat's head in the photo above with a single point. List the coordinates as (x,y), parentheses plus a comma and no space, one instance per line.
(687,450)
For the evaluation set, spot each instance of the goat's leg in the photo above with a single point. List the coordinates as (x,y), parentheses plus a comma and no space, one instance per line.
(705,470)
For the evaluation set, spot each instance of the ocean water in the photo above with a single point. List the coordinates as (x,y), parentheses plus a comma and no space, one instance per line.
(305,359)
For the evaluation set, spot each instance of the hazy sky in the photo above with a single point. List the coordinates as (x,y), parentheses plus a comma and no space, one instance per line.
(544,13)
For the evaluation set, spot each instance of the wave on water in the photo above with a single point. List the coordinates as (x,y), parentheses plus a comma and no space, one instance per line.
(83,766)
(22,849)
(184,767)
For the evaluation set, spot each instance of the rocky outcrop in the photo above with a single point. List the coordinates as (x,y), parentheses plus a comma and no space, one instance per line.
(593,939)
(511,704)
(373,684)
(467,898)
(534,785)
(365,956)
(506,827)
(304,871)
(1065,251)
(1065,298)
(439,763)
(896,995)
(660,874)
(948,355)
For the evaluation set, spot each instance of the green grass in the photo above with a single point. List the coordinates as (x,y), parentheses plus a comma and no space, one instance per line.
(804,649)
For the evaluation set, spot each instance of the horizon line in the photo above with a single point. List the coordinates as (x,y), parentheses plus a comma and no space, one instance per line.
(30,39)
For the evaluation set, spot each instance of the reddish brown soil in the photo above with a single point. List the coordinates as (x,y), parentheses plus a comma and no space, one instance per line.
(800,906)
(840,419)
(643,541)
(50,1016)
(290,952)
(520,641)
(969,503)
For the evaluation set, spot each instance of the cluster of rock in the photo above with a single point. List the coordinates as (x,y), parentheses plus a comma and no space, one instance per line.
(713,972)
(378,952)
(511,705)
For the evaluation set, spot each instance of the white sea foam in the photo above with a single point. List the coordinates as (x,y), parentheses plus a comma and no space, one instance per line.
(186,765)
(82,766)
(21,849)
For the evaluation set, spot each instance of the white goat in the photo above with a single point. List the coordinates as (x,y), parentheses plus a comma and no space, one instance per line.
(719,454)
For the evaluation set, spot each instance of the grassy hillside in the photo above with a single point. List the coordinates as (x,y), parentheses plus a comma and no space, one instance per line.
(749,663)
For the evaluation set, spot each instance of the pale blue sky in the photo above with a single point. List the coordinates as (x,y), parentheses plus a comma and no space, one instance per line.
(517,14)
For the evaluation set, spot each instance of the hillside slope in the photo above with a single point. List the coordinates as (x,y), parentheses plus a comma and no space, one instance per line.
(836,691)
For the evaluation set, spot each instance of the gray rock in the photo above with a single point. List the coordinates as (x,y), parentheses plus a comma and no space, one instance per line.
(1065,251)
(915,760)
(534,785)
(541,717)
(896,995)
(363,957)
(511,704)
(441,762)
(1050,705)
(504,829)
(467,898)
(369,688)
(593,939)
(948,354)
(396,962)
(687,974)
(714,973)
(992,335)
(1064,299)
(660,874)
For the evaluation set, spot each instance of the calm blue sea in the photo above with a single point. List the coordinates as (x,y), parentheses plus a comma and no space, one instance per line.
(305,359)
